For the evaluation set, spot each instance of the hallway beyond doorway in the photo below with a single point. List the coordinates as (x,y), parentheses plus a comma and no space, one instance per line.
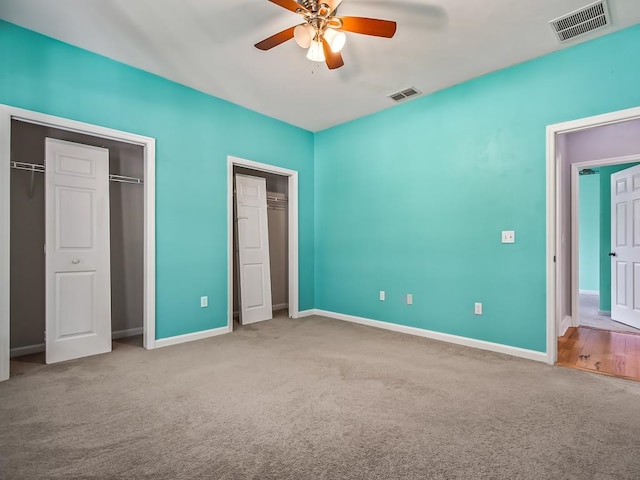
(589,316)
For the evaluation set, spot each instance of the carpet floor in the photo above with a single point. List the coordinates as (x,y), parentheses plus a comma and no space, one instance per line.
(588,316)
(315,399)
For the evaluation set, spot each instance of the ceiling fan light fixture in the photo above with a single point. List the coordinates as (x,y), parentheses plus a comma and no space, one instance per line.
(303,35)
(335,39)
(316,52)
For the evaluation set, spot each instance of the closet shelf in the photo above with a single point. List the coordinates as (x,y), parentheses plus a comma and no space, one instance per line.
(30,167)
(123,179)
(38,168)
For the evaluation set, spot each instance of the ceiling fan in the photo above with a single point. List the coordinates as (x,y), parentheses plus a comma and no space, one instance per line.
(322,31)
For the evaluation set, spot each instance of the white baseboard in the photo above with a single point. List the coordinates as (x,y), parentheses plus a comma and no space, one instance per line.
(28,350)
(564,325)
(605,313)
(444,337)
(132,332)
(589,292)
(307,313)
(41,347)
(280,306)
(190,337)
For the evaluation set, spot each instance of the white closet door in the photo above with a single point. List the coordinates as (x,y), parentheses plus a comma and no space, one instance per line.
(78,283)
(253,249)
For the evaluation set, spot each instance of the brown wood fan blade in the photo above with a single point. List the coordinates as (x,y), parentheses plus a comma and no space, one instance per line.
(289,5)
(334,60)
(275,40)
(369,26)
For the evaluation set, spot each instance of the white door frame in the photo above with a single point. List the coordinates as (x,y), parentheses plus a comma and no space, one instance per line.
(8,113)
(554,292)
(292,176)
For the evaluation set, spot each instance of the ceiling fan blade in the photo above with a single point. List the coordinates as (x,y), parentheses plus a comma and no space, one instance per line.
(289,5)
(369,26)
(275,40)
(334,60)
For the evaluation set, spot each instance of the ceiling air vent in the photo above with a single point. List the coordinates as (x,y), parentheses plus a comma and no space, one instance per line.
(404,94)
(584,20)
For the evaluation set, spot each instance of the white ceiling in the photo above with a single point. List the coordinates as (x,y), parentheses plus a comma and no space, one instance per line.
(208,45)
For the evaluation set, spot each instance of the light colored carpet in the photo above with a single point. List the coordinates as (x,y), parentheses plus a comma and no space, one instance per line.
(315,399)
(588,315)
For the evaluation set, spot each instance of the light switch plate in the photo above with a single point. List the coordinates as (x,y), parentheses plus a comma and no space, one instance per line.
(409,299)
(383,296)
(508,236)
(204,302)
(477,308)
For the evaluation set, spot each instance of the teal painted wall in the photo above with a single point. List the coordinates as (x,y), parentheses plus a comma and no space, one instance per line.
(589,232)
(194,134)
(413,199)
(605,232)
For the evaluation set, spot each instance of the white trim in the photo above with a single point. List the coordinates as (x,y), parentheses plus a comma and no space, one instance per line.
(307,313)
(443,337)
(553,321)
(131,332)
(41,347)
(280,306)
(567,322)
(589,292)
(7,113)
(552,242)
(5,235)
(575,247)
(190,337)
(27,350)
(293,230)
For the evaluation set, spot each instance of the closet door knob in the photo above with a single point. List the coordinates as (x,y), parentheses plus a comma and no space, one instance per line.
(75,262)
(612,254)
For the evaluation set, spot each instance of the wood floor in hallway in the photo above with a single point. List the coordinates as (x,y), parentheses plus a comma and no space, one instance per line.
(601,351)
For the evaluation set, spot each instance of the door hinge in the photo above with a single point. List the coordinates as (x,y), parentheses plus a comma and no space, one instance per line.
(45,248)
(45,335)
(554,259)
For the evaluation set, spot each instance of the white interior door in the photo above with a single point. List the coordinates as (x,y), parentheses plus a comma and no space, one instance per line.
(78,283)
(253,249)
(625,246)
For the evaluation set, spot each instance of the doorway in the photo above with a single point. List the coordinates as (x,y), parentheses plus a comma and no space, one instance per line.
(284,185)
(593,223)
(12,118)
(564,161)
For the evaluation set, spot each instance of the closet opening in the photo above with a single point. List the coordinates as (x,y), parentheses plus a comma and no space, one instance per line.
(276,188)
(263,242)
(31,217)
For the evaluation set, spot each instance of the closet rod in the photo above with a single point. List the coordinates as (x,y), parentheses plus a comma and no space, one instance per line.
(35,167)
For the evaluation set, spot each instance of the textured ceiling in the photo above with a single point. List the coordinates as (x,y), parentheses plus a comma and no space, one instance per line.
(208,45)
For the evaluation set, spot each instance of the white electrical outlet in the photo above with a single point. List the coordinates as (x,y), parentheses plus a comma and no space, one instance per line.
(204,302)
(508,236)
(383,296)
(409,299)
(478,308)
